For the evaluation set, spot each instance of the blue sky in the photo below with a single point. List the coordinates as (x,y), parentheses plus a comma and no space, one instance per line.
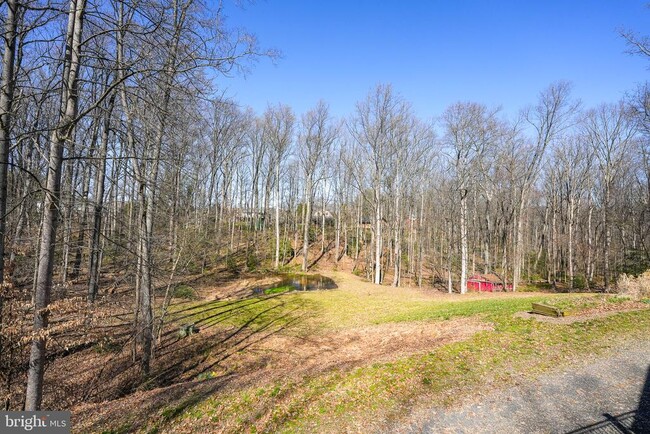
(438,52)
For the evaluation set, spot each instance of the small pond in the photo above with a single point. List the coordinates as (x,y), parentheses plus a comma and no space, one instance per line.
(297,282)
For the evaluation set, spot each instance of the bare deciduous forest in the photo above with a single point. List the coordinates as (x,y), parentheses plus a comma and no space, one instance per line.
(126,184)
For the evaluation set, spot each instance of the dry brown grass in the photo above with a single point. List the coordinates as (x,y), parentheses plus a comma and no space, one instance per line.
(635,287)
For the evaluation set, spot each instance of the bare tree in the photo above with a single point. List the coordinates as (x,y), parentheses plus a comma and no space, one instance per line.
(98,202)
(412,141)
(316,136)
(637,44)
(60,136)
(278,129)
(573,162)
(470,129)
(227,129)
(7,85)
(551,115)
(610,130)
(372,128)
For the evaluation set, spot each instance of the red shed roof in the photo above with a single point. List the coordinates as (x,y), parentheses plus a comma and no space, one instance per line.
(491,278)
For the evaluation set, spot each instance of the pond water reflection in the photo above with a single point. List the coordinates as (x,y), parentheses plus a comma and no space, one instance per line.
(297,282)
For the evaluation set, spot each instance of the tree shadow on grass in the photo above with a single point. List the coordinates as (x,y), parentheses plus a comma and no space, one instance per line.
(635,421)
(189,370)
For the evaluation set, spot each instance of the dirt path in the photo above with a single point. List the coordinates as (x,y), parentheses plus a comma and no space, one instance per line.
(610,394)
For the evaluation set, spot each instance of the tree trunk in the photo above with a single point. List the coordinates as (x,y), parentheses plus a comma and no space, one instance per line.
(98,196)
(85,182)
(589,265)
(463,241)
(450,288)
(338,232)
(570,241)
(7,83)
(398,247)
(358,229)
(307,221)
(519,243)
(608,235)
(63,133)
(277,214)
(322,241)
(419,237)
(378,239)
(173,216)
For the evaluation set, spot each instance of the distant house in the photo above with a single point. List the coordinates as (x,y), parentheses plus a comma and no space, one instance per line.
(317,216)
(248,214)
(485,283)
(365,222)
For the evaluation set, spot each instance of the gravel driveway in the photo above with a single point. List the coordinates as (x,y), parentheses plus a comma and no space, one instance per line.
(610,394)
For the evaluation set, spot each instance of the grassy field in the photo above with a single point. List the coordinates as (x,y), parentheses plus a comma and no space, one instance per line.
(483,345)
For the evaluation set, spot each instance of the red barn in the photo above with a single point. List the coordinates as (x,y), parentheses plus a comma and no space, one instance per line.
(485,283)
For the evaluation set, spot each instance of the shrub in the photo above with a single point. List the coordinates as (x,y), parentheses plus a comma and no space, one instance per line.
(231,264)
(634,287)
(314,232)
(635,263)
(579,282)
(252,262)
(184,291)
(286,251)
(352,246)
